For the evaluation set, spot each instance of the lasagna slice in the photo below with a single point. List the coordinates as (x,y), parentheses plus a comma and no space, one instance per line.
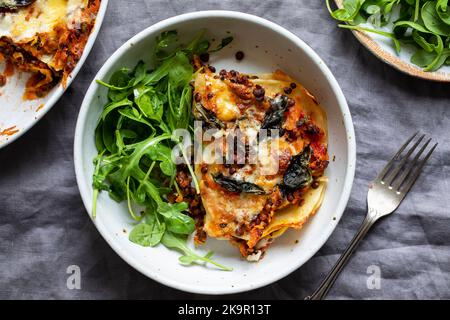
(46,39)
(262,166)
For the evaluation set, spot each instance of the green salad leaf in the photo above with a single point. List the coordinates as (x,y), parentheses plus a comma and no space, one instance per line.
(422,24)
(189,257)
(134,139)
(149,233)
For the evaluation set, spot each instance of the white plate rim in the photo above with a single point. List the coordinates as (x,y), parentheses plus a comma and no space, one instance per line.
(86,193)
(59,91)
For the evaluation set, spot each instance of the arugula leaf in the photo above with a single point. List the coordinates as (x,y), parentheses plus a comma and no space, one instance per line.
(176,221)
(133,114)
(139,73)
(411,24)
(150,102)
(386,34)
(120,80)
(198,45)
(432,20)
(223,43)
(114,105)
(189,257)
(150,233)
(422,42)
(181,71)
(163,154)
(163,41)
(348,12)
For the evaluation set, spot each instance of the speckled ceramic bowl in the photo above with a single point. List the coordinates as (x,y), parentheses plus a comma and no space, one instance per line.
(267,46)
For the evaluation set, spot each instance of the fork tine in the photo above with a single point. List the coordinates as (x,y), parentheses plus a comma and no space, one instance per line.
(417,172)
(400,180)
(395,157)
(391,177)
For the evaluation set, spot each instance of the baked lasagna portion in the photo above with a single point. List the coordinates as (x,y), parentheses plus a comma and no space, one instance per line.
(250,200)
(46,39)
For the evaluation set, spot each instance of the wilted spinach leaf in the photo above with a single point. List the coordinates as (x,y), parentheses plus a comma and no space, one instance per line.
(275,115)
(207,116)
(298,174)
(237,186)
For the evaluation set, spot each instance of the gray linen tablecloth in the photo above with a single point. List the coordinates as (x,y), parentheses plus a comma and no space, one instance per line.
(44,227)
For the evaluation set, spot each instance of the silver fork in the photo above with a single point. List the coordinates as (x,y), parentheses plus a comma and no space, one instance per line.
(385,194)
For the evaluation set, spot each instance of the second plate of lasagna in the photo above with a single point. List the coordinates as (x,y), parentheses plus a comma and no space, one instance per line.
(42,47)
(211,159)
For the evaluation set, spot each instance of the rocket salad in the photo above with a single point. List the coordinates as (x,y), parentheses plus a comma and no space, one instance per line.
(423,24)
(134,142)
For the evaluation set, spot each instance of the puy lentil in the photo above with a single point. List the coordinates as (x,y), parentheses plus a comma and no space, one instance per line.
(239,55)
(259,92)
(287,90)
(291,102)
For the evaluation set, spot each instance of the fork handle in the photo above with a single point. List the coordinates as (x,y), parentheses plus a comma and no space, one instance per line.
(328,282)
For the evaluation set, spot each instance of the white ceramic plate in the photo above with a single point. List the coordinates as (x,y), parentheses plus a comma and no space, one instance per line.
(384,49)
(20,115)
(267,46)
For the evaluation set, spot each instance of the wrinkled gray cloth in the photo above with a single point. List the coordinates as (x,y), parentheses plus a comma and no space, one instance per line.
(44,227)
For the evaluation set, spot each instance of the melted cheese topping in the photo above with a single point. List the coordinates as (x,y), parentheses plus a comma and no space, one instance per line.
(217,97)
(40,17)
(232,215)
(46,39)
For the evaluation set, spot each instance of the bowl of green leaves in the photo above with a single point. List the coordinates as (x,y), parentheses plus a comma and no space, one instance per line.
(413,36)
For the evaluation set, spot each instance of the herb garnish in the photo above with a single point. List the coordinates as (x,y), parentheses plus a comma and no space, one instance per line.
(237,186)
(298,174)
(208,117)
(275,115)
